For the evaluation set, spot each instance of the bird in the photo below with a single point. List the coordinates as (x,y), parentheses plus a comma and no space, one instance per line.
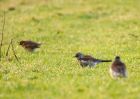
(118,68)
(29,45)
(88,60)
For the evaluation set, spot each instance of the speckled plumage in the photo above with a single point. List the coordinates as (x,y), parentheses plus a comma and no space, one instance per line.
(118,68)
(29,45)
(87,60)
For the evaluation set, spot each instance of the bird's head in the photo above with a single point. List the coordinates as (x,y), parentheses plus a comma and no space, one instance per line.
(21,42)
(117,58)
(79,55)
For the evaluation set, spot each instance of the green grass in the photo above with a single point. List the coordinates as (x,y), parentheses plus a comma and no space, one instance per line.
(103,28)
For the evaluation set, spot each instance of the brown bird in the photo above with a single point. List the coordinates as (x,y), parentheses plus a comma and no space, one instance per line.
(118,68)
(87,60)
(29,45)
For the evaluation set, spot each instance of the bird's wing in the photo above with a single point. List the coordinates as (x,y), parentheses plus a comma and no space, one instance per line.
(31,44)
(87,58)
(118,67)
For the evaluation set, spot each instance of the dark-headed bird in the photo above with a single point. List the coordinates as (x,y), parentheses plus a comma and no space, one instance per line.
(87,60)
(118,68)
(29,45)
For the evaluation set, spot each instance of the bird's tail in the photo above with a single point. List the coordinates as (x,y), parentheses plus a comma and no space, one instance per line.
(105,60)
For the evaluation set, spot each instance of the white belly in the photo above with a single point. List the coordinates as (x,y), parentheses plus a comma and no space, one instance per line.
(117,74)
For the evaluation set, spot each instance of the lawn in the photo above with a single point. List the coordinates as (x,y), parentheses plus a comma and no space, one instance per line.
(102,28)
